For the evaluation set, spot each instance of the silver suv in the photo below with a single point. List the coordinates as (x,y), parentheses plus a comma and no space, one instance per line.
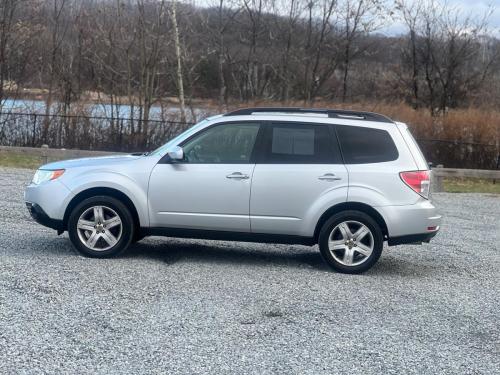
(345,180)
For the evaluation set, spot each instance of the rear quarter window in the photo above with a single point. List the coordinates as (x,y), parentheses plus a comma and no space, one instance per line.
(417,147)
(360,145)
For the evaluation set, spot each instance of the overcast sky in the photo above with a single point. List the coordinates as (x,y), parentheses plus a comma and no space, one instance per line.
(475,8)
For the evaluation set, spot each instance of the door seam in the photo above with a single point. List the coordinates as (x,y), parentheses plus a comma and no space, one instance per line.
(250,198)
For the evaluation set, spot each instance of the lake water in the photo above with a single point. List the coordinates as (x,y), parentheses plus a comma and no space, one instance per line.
(98,110)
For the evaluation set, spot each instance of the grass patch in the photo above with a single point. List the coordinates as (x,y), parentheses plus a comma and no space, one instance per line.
(19,160)
(470,185)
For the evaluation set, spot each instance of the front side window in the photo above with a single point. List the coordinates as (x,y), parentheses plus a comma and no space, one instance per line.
(362,145)
(222,144)
(295,143)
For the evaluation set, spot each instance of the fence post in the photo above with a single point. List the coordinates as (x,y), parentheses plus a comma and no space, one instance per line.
(45,154)
(437,180)
(498,166)
(34,130)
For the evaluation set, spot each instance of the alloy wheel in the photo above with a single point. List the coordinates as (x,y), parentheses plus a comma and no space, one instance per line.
(351,243)
(99,228)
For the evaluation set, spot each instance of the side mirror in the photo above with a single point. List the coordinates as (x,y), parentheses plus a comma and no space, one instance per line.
(175,153)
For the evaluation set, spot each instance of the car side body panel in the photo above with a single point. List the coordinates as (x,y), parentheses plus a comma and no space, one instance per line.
(286,199)
(379,185)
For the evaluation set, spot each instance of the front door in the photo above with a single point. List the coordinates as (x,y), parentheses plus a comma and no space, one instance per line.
(210,188)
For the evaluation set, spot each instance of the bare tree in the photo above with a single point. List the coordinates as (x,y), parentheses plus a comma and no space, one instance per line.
(321,55)
(288,39)
(410,12)
(227,11)
(443,51)
(178,57)
(131,55)
(56,30)
(7,11)
(16,31)
(359,17)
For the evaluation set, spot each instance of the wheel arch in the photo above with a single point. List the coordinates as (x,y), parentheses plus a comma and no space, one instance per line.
(357,206)
(97,191)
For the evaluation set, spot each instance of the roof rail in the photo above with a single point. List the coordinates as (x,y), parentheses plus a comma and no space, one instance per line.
(335,113)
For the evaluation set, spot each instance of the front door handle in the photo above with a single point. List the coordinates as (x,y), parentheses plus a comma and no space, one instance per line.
(329,177)
(238,176)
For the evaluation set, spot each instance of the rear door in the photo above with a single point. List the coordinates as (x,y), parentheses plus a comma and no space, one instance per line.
(297,165)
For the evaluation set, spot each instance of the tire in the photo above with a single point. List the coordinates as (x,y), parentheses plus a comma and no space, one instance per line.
(351,242)
(104,223)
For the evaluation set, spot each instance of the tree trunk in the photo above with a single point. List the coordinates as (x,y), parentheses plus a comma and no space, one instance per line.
(347,61)
(414,68)
(180,81)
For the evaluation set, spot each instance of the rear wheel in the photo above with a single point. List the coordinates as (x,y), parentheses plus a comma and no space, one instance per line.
(101,227)
(351,242)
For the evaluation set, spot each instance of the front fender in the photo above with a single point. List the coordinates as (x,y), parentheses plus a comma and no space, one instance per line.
(134,188)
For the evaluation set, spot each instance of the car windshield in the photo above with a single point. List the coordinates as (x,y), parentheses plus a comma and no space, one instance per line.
(163,149)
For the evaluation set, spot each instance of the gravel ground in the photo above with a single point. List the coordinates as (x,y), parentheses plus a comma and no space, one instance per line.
(193,307)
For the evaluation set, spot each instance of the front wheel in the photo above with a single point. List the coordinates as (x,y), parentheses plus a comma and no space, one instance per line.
(101,227)
(351,242)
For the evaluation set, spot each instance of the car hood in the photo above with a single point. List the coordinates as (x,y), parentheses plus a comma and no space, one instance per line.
(91,162)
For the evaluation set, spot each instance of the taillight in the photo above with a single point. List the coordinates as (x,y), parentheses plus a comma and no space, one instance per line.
(418,181)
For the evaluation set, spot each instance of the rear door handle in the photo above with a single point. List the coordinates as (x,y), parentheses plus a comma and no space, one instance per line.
(329,177)
(238,176)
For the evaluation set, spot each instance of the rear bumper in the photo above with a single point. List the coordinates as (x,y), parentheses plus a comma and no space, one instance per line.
(412,238)
(419,220)
(39,215)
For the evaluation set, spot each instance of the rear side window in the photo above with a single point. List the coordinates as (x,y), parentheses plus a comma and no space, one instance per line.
(292,143)
(366,145)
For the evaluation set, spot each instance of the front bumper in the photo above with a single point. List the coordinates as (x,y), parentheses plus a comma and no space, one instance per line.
(39,215)
(47,202)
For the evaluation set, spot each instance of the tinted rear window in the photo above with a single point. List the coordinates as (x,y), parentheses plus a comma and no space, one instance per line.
(289,141)
(295,143)
(366,145)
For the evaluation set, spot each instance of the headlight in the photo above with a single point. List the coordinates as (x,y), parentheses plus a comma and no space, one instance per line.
(43,175)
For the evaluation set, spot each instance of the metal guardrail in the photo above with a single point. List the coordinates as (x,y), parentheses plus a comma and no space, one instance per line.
(439,174)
